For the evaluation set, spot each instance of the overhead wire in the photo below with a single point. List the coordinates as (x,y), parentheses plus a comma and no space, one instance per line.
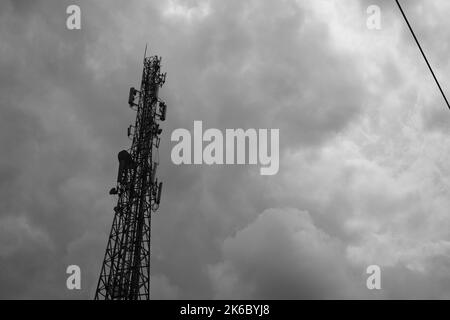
(423,53)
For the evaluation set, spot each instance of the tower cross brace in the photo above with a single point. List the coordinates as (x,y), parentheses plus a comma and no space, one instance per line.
(125,272)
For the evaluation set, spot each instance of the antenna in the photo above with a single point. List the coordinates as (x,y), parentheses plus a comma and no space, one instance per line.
(125,273)
(145,52)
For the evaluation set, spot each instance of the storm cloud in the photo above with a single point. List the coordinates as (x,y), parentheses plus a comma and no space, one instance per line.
(364,146)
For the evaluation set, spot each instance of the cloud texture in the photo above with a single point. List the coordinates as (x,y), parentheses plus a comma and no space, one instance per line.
(364,146)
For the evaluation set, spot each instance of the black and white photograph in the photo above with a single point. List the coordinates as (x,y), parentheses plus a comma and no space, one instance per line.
(224,150)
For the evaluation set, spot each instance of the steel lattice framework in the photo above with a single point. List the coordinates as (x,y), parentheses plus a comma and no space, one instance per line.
(125,273)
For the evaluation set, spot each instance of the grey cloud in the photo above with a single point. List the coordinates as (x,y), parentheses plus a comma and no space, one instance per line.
(282,255)
(232,64)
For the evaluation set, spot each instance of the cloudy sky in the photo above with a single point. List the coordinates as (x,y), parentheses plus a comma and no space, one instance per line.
(364,146)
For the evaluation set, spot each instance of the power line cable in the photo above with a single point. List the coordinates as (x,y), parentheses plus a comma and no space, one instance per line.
(423,54)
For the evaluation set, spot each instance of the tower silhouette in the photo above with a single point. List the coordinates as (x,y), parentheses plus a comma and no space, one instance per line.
(125,272)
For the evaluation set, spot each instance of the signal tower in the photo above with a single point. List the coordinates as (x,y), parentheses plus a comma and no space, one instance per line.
(125,273)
